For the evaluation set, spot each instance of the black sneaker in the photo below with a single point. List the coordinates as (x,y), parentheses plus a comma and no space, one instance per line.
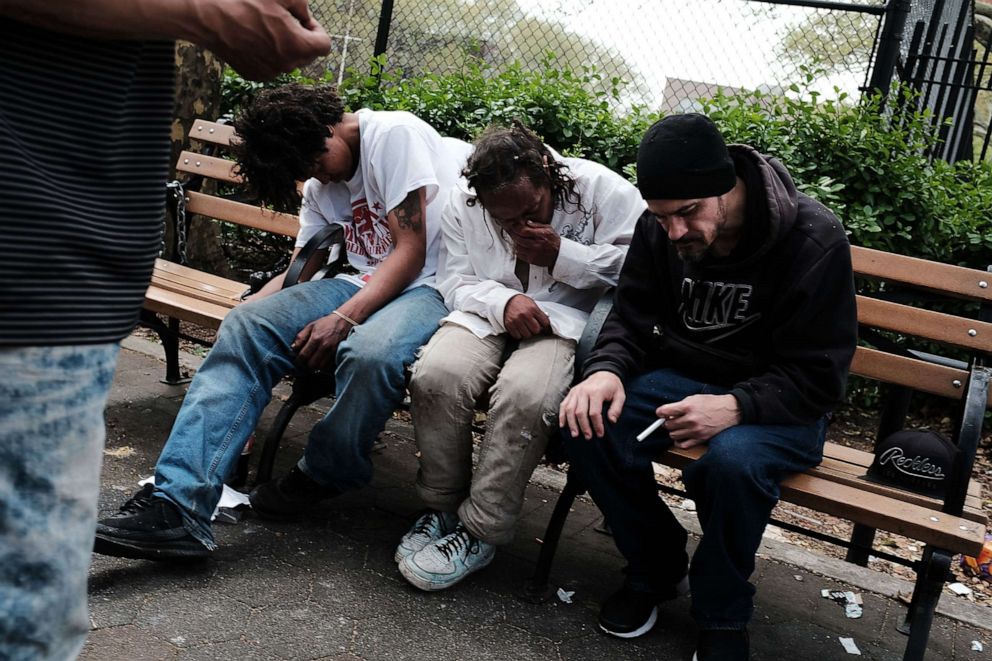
(290,495)
(722,645)
(631,613)
(147,528)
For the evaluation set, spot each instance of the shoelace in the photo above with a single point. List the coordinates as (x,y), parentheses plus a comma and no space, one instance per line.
(139,502)
(455,541)
(424,524)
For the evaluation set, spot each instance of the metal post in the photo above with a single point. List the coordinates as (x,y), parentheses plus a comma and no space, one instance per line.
(889,43)
(382,34)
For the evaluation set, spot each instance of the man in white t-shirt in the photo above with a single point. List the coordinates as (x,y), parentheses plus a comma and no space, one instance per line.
(529,245)
(384,177)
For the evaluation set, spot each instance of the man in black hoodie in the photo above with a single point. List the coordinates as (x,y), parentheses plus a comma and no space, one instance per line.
(734,324)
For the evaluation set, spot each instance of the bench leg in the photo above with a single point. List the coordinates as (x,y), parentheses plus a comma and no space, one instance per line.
(307,388)
(536,590)
(168,334)
(930,578)
(862,538)
(170,342)
(274,437)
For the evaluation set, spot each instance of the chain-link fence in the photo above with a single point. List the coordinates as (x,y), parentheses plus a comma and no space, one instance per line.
(668,52)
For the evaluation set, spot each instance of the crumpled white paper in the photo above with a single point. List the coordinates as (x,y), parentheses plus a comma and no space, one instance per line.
(849,646)
(852,602)
(229,498)
(959,589)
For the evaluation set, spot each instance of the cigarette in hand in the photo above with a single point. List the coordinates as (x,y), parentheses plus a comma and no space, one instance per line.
(655,426)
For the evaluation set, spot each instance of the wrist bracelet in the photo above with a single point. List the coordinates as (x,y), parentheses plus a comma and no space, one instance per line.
(345,317)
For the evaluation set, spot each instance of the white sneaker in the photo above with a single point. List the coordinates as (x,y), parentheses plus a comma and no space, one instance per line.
(430,527)
(443,563)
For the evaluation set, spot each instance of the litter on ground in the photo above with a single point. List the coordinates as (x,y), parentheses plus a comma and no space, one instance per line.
(849,646)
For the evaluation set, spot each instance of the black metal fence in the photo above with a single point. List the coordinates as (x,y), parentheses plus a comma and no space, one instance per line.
(950,72)
(669,52)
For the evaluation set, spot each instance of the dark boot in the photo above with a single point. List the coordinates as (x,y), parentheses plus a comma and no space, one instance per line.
(290,495)
(630,613)
(148,528)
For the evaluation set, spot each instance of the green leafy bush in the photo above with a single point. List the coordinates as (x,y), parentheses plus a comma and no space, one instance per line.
(563,106)
(236,92)
(872,171)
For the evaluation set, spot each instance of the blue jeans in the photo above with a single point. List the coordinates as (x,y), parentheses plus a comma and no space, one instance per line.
(51,447)
(252,353)
(735,486)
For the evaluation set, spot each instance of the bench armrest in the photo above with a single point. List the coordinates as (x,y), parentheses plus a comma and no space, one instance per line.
(591,332)
(969,433)
(311,257)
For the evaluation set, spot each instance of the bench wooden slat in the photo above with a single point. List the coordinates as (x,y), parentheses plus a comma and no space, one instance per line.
(849,455)
(183,307)
(948,532)
(852,474)
(875,510)
(220,169)
(198,290)
(922,273)
(242,214)
(856,462)
(207,291)
(229,290)
(944,328)
(212,132)
(839,472)
(917,374)
(163,266)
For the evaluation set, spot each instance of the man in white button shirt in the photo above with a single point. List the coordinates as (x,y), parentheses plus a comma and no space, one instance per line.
(531,241)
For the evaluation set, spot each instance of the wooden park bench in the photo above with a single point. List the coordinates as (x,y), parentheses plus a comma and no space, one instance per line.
(891,321)
(181,293)
(177,291)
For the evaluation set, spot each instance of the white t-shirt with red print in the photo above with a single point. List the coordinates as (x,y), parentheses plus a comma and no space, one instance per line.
(399,153)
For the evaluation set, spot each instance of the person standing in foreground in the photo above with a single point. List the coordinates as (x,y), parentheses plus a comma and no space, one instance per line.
(735,323)
(532,241)
(86,102)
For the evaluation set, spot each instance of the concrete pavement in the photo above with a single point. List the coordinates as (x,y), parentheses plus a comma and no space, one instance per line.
(326,586)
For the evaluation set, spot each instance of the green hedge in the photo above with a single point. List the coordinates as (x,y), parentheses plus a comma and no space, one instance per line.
(557,103)
(873,173)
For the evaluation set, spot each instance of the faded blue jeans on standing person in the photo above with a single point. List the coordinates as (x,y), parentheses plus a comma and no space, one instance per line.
(51,447)
(252,353)
(735,486)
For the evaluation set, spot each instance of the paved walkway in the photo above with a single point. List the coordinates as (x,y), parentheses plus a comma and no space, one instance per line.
(326,586)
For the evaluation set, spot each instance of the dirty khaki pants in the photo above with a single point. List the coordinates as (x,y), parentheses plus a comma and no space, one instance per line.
(455,371)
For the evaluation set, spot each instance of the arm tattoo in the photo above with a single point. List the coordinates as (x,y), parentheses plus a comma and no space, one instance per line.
(409,213)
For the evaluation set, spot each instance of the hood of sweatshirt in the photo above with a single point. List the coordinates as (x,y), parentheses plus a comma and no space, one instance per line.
(772,200)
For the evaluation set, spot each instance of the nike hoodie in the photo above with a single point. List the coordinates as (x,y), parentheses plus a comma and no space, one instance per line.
(775,321)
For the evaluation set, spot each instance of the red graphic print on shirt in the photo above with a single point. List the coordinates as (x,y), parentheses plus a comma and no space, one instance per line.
(368,234)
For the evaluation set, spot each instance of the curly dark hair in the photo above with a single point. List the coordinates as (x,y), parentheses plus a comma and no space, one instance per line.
(504,154)
(280,136)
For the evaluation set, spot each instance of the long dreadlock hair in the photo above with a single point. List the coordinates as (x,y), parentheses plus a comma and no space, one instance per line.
(502,155)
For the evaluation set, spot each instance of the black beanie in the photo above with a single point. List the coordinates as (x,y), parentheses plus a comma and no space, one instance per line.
(684,157)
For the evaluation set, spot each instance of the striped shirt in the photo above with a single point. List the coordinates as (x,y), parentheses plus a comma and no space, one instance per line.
(84,155)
